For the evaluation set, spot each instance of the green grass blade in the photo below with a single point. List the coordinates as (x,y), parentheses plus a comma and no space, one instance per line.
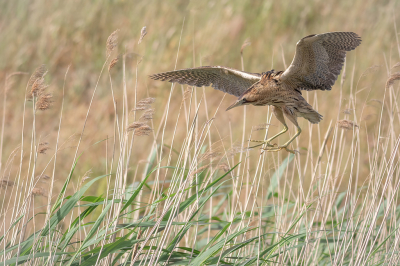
(276,177)
(206,254)
(26,258)
(91,232)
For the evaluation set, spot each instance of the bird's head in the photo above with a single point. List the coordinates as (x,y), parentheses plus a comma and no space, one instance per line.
(241,101)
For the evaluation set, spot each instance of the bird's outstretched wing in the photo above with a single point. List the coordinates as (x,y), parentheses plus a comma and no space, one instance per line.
(318,60)
(225,79)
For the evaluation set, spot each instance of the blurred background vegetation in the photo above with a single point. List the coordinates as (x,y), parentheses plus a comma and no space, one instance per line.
(182,34)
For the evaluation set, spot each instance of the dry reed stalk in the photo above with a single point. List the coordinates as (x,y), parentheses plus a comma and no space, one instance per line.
(112,42)
(135,249)
(9,82)
(346,124)
(375,100)
(143,33)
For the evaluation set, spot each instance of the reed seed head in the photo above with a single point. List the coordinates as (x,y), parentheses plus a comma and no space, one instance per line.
(392,79)
(234,150)
(143,33)
(37,87)
(144,104)
(141,108)
(112,42)
(199,170)
(210,156)
(224,167)
(396,65)
(39,191)
(45,101)
(86,176)
(146,101)
(43,177)
(347,111)
(43,147)
(263,126)
(144,130)
(147,115)
(370,70)
(244,45)
(186,94)
(135,125)
(4,183)
(346,124)
(113,63)
(37,74)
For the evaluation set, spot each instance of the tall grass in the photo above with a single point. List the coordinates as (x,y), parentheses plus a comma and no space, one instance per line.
(200,196)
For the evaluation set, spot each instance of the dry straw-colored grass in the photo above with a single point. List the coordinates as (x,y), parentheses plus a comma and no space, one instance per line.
(352,183)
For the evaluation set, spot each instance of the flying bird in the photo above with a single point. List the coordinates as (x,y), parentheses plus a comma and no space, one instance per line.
(316,65)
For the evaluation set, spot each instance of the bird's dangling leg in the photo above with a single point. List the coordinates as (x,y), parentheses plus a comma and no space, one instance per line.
(293,118)
(279,115)
(284,146)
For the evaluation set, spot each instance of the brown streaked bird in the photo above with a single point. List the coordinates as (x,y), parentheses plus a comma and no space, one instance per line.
(316,65)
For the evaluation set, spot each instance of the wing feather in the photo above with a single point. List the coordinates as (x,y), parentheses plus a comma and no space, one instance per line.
(319,59)
(225,79)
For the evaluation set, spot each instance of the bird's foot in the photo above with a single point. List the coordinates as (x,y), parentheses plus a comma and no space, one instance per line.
(280,148)
(262,142)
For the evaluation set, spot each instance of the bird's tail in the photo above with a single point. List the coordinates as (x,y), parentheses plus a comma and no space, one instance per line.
(312,116)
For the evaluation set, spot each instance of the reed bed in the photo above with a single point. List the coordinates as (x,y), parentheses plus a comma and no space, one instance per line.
(158,182)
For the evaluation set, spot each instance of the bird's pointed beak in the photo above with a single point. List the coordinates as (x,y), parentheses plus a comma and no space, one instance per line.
(236,104)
